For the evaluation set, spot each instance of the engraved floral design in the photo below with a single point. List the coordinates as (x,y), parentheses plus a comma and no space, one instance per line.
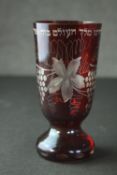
(67,78)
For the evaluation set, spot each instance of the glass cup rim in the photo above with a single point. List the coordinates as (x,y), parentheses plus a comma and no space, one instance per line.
(69,22)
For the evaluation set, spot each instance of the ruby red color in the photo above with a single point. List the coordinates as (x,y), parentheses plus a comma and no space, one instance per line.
(65,140)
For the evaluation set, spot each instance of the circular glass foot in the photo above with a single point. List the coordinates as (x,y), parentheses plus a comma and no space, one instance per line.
(67,144)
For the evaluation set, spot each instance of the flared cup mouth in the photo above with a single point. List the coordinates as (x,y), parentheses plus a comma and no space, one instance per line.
(69,22)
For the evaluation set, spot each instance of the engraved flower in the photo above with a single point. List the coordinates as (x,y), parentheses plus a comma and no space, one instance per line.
(67,78)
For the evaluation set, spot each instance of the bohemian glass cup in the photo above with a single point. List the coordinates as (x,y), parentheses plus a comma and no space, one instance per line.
(66,60)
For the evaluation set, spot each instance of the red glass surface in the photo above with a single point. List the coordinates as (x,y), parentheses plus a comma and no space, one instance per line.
(66,60)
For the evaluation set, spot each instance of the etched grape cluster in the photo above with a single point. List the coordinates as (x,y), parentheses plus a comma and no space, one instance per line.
(41,80)
(90,85)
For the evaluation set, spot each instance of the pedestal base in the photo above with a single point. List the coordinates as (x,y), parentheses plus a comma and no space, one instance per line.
(65,144)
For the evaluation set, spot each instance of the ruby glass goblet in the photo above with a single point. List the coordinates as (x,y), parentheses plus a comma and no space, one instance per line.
(66,60)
